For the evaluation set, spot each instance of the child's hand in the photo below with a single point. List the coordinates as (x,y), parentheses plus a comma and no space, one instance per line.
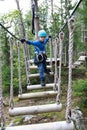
(23,40)
(50,36)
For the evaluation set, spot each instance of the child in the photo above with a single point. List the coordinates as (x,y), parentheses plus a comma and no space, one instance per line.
(40,54)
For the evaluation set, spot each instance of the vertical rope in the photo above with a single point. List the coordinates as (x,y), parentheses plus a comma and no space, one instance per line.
(25,60)
(61,37)
(19,69)
(11,84)
(55,57)
(26,64)
(1,99)
(69,93)
(65,57)
(50,40)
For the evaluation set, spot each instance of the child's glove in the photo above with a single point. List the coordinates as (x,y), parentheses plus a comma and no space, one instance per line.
(50,36)
(23,40)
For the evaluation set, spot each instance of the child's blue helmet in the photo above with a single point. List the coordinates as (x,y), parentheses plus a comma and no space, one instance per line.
(42,33)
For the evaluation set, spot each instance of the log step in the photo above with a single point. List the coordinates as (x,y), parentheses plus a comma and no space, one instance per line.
(37,95)
(37,75)
(48,60)
(35,67)
(61,125)
(38,86)
(35,109)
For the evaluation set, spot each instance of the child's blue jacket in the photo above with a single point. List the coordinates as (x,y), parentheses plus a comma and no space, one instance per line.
(39,46)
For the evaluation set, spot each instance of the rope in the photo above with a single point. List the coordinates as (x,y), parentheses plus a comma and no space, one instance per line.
(69,93)
(11,84)
(65,55)
(19,70)
(50,40)
(26,63)
(55,56)
(76,7)
(1,99)
(61,37)
(9,32)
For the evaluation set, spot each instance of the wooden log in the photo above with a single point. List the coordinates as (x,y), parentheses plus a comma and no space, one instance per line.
(37,95)
(35,109)
(77,63)
(61,125)
(81,58)
(48,60)
(38,86)
(36,75)
(35,67)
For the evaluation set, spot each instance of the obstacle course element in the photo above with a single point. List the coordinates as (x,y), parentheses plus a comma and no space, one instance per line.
(82,58)
(38,86)
(35,67)
(35,109)
(63,125)
(48,60)
(80,61)
(37,95)
(37,75)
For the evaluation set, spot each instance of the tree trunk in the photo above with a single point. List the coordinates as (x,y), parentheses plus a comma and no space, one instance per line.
(36,20)
(21,25)
(52,8)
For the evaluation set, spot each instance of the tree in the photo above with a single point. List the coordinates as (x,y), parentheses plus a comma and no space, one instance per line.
(43,15)
(5,58)
(21,24)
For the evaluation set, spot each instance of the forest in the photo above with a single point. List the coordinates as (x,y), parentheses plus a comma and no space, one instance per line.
(53,19)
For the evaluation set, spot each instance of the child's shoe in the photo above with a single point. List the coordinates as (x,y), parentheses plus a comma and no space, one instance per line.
(43,82)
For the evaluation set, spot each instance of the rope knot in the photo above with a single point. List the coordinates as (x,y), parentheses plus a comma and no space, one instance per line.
(11,39)
(61,35)
(72,23)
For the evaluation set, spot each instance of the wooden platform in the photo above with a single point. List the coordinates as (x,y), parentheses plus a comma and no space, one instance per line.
(38,86)
(82,58)
(37,94)
(77,63)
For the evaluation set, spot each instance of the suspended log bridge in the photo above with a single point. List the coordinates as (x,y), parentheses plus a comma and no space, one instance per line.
(62,125)
(38,95)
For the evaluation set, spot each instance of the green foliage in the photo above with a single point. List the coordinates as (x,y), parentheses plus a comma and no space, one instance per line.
(18,120)
(55,24)
(80,89)
(6,79)
(43,14)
